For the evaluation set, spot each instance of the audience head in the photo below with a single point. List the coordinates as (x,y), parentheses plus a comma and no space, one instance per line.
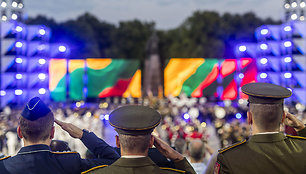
(196,150)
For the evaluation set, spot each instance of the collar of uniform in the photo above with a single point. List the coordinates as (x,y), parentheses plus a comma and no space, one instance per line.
(34,148)
(133,162)
(263,138)
(132,156)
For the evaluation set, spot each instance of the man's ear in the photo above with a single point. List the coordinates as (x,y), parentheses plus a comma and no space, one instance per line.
(151,141)
(52,133)
(249,118)
(117,141)
(19,132)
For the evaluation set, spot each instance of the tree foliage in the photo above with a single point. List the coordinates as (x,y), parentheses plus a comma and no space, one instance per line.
(204,34)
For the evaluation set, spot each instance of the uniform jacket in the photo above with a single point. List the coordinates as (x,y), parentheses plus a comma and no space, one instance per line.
(140,166)
(264,153)
(38,159)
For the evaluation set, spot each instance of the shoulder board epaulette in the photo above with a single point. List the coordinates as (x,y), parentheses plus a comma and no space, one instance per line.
(296,137)
(5,158)
(232,146)
(94,168)
(171,169)
(64,152)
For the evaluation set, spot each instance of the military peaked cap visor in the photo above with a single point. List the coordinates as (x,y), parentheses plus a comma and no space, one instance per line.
(35,109)
(134,120)
(265,93)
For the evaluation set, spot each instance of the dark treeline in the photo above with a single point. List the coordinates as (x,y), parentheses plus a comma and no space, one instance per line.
(205,34)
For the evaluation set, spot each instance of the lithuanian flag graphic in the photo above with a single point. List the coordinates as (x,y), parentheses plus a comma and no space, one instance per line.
(195,77)
(113,77)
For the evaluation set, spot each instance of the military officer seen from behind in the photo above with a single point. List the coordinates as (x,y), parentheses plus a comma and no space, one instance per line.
(134,125)
(36,128)
(267,151)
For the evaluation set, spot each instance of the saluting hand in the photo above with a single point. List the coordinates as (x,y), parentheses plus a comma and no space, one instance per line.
(292,121)
(73,131)
(166,150)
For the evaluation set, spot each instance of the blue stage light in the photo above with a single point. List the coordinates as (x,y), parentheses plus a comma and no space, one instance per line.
(287,44)
(289,89)
(18,76)
(241,75)
(14,16)
(263,61)
(18,92)
(42,91)
(263,46)
(42,76)
(18,44)
(106,117)
(287,75)
(62,48)
(242,48)
(42,61)
(186,116)
(287,28)
(19,29)
(263,75)
(238,115)
(41,47)
(42,32)
(18,60)
(287,59)
(264,31)
(2,93)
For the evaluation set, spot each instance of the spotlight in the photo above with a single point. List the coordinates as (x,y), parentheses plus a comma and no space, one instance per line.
(106,117)
(18,76)
(287,6)
(18,92)
(263,61)
(264,31)
(294,4)
(287,75)
(42,76)
(186,116)
(2,93)
(287,28)
(238,115)
(4,18)
(287,59)
(42,61)
(42,32)
(302,18)
(241,75)
(294,16)
(20,5)
(14,16)
(14,4)
(42,91)
(19,29)
(3,4)
(263,46)
(18,60)
(18,44)
(302,4)
(242,48)
(287,44)
(62,48)
(263,75)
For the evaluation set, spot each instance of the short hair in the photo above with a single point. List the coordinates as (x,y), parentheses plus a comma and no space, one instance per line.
(37,130)
(267,116)
(196,149)
(180,145)
(134,143)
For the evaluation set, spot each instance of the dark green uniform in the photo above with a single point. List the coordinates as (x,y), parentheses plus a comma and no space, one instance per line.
(264,153)
(140,166)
